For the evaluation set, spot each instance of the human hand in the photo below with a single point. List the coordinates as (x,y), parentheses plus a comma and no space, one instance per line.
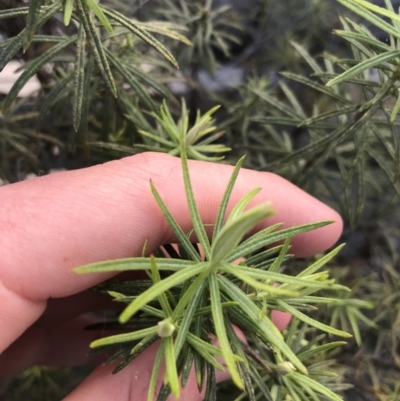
(52,224)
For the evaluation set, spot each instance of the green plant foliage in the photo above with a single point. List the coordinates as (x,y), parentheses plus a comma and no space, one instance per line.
(210,29)
(167,134)
(319,109)
(344,135)
(211,284)
(88,61)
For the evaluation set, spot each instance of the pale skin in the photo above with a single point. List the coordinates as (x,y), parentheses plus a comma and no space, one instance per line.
(52,224)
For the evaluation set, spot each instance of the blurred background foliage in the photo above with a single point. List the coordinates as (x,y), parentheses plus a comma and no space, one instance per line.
(109,84)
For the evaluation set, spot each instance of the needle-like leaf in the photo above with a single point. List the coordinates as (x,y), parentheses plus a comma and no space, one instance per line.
(33,68)
(68,8)
(233,232)
(92,4)
(31,21)
(96,45)
(141,33)
(193,209)
(219,323)
(79,78)
(157,289)
(15,45)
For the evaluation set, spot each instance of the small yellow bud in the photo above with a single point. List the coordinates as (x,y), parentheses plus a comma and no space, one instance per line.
(285,368)
(165,328)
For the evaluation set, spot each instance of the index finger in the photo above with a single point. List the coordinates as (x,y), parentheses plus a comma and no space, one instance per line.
(52,224)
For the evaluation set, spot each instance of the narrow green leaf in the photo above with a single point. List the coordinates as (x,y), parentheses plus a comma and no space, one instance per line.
(34,67)
(187,367)
(324,145)
(263,256)
(275,267)
(55,93)
(395,110)
(312,322)
(195,154)
(130,79)
(246,278)
(321,262)
(92,4)
(319,388)
(291,389)
(157,289)
(317,87)
(385,168)
(262,387)
(203,346)
(120,265)
(365,65)
(155,275)
(243,321)
(193,209)
(284,121)
(96,45)
(219,323)
(154,83)
(305,282)
(256,242)
(292,98)
(180,235)
(13,12)
(358,49)
(198,286)
(211,386)
(377,9)
(141,33)
(206,310)
(156,370)
(311,394)
(360,169)
(34,10)
(238,209)
(396,157)
(69,4)
(358,315)
(395,21)
(170,367)
(272,101)
(168,29)
(121,338)
(233,232)
(369,16)
(310,299)
(79,78)
(266,328)
(136,350)
(306,56)
(354,38)
(21,148)
(86,101)
(199,362)
(328,115)
(354,326)
(15,45)
(167,144)
(204,353)
(321,348)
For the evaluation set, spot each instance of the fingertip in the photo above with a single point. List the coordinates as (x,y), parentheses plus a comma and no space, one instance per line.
(281,319)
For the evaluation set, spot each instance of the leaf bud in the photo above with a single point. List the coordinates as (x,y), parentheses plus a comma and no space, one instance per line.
(165,328)
(285,368)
